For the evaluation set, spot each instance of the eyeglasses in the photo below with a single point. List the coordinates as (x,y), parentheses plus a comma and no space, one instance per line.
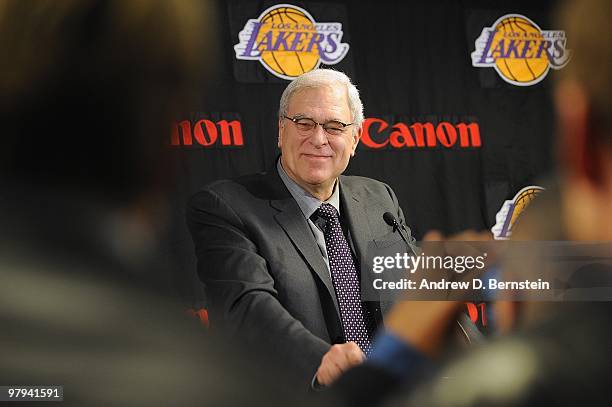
(306,124)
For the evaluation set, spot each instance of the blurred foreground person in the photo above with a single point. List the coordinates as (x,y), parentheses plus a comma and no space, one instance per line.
(88,90)
(552,353)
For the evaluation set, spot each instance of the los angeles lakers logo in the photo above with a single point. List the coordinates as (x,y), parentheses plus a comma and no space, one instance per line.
(520,51)
(511,210)
(288,42)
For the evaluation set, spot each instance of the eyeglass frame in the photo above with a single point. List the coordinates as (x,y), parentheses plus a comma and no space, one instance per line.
(296,118)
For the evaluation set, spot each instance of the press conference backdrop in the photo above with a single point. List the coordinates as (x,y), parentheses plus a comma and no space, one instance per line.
(456,95)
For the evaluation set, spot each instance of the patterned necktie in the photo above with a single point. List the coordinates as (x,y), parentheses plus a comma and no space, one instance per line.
(356,320)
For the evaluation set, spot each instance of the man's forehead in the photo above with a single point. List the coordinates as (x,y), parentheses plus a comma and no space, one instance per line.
(303,98)
(331,88)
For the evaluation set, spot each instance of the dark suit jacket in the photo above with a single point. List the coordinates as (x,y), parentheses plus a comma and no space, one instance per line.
(266,280)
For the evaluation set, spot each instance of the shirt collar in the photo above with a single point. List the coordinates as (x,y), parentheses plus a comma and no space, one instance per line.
(307,203)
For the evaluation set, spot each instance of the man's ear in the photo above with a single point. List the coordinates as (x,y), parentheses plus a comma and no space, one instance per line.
(356,137)
(280,133)
(578,147)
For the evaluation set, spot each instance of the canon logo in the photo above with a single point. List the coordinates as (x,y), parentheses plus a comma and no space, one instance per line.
(376,134)
(207,133)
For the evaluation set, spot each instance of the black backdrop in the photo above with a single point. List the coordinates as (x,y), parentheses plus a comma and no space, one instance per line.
(411,62)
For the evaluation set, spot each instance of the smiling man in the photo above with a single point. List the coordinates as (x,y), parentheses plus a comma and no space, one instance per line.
(280,252)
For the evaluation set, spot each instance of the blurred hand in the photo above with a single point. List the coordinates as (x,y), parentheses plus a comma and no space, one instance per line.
(425,324)
(338,360)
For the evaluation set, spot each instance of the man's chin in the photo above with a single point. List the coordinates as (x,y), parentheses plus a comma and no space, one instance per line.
(320,181)
(316,175)
(316,171)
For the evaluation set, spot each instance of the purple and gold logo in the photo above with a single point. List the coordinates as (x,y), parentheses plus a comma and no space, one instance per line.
(520,51)
(511,211)
(288,42)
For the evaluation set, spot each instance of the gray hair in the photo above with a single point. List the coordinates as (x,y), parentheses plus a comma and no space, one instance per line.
(319,78)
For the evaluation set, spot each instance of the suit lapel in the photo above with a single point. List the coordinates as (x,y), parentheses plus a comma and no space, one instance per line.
(361,233)
(291,219)
(356,216)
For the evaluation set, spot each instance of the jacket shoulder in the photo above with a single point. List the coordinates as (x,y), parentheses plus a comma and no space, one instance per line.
(361,185)
(231,185)
(244,189)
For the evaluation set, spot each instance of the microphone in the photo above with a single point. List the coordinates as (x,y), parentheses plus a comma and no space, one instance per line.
(392,221)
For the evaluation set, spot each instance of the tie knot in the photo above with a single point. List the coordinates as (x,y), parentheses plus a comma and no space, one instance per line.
(327,211)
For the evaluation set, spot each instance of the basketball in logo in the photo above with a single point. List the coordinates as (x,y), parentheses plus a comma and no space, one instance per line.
(521,202)
(286,62)
(520,51)
(511,211)
(288,41)
(518,69)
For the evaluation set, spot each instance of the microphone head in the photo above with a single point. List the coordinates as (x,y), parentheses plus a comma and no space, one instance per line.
(389,219)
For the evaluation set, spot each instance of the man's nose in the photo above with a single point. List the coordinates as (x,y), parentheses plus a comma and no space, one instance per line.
(319,136)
